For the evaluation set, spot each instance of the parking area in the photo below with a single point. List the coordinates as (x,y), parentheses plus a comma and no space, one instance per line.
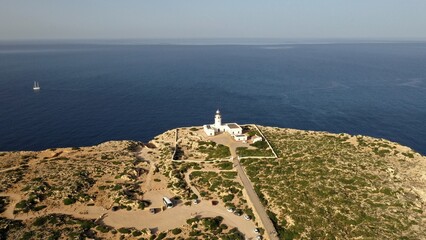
(176,217)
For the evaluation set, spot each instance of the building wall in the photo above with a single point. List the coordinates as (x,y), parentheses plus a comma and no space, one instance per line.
(240,138)
(237,131)
(209,131)
(222,128)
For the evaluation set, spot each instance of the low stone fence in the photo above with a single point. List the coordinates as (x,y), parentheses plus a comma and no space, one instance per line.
(263,136)
(257,157)
(176,144)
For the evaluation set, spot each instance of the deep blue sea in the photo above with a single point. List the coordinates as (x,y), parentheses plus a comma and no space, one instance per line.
(92,93)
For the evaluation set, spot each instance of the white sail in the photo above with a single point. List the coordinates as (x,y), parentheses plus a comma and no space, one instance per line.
(36,86)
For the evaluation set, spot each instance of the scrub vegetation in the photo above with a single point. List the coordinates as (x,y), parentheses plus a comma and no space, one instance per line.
(321,186)
(213,150)
(258,149)
(338,185)
(108,173)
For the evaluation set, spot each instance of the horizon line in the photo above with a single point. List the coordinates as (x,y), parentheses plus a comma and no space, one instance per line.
(213,41)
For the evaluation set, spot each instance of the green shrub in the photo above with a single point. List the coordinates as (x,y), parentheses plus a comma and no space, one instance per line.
(86,224)
(228,198)
(69,201)
(161,236)
(38,208)
(176,231)
(214,151)
(195,233)
(225,165)
(260,145)
(55,235)
(124,230)
(21,204)
(229,175)
(103,229)
(40,221)
(26,235)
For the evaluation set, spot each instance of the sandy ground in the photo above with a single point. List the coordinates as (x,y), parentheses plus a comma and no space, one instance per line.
(14,199)
(156,197)
(176,217)
(141,219)
(76,210)
(227,140)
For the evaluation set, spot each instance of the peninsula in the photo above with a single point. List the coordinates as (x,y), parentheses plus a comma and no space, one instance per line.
(223,181)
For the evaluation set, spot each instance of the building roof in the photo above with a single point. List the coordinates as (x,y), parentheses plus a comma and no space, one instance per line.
(233,125)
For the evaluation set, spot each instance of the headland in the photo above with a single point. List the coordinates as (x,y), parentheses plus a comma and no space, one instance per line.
(287,184)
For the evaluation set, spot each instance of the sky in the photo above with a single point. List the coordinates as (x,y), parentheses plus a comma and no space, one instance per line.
(193,19)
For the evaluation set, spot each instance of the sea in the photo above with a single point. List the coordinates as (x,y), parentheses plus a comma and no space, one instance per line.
(93,92)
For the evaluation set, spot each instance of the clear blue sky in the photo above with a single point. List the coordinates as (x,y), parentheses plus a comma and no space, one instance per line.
(121,19)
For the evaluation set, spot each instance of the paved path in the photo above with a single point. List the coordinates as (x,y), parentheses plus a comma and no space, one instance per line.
(254,199)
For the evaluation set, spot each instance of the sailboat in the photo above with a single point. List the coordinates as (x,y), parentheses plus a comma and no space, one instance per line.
(36,86)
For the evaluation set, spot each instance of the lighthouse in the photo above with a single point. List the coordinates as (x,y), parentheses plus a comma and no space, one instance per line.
(232,128)
(218,120)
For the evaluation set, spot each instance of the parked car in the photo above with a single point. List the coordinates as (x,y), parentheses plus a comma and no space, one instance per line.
(238,212)
(195,201)
(230,209)
(247,217)
(256,230)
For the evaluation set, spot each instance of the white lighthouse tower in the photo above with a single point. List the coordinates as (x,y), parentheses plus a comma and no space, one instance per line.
(232,128)
(218,120)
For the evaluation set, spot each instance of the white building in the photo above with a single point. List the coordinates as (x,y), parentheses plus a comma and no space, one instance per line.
(232,128)
(240,137)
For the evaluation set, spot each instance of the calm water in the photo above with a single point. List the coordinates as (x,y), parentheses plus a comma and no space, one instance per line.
(95,93)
